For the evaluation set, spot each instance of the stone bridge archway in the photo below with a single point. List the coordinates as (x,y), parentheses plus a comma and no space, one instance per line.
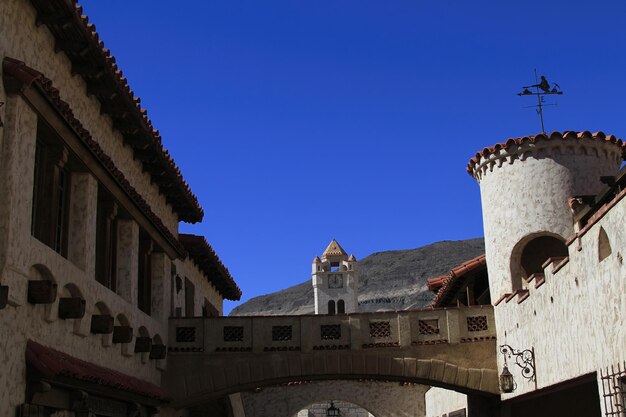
(382,399)
(449,348)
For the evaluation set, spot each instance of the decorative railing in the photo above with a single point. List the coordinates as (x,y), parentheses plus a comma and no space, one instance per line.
(318,332)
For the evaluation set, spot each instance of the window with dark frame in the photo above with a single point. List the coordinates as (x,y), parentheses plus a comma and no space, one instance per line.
(144,275)
(51,182)
(106,239)
(190,295)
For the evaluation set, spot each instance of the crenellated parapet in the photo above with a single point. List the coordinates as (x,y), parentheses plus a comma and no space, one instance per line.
(543,145)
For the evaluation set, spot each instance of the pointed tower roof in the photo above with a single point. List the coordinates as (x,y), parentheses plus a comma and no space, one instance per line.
(317,260)
(334,249)
(352,258)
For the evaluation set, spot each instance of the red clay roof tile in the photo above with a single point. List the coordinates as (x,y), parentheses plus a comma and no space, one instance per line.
(52,363)
(567,135)
(210,264)
(445,284)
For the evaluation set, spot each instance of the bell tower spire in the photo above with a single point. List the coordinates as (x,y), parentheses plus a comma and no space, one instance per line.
(335,281)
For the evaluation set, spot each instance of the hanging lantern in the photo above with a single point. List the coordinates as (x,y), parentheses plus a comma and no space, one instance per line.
(332,411)
(507,384)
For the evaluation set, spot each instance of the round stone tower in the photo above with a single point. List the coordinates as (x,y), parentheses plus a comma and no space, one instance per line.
(525,185)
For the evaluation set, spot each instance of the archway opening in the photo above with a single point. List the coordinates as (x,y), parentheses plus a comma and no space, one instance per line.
(333,408)
(331,307)
(604,245)
(531,253)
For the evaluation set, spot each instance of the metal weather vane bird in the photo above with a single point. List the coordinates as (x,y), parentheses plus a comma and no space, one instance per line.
(542,89)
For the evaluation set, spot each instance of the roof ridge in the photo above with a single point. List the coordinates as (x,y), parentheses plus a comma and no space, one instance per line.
(111,88)
(334,249)
(566,135)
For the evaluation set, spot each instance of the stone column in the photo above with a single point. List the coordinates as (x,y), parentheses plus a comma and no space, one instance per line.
(81,249)
(127,259)
(17,162)
(160,286)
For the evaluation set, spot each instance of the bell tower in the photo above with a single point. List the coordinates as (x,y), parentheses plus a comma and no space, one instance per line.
(335,281)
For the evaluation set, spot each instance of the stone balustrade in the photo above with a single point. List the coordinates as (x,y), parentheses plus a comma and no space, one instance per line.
(307,333)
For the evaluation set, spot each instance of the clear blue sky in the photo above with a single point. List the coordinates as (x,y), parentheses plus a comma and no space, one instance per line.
(298,121)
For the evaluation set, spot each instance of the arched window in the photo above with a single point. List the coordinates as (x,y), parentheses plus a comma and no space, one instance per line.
(341,307)
(530,253)
(331,307)
(604,246)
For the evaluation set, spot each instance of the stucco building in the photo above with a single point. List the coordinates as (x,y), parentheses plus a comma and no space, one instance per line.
(553,212)
(91,261)
(98,288)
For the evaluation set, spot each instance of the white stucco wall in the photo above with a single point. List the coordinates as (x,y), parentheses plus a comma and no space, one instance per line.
(525,191)
(441,401)
(575,320)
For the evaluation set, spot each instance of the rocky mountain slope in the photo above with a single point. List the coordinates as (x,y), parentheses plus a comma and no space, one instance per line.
(390,280)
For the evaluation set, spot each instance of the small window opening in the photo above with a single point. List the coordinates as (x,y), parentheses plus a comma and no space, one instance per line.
(106,239)
(341,307)
(604,246)
(334,266)
(50,210)
(144,275)
(529,256)
(190,295)
(331,307)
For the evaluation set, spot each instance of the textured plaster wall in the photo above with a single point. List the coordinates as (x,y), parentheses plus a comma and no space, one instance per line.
(203,288)
(322,294)
(574,321)
(530,196)
(441,401)
(382,399)
(581,307)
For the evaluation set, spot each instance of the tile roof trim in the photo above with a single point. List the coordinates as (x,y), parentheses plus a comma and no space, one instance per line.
(67,15)
(52,363)
(29,77)
(514,146)
(331,252)
(443,284)
(203,255)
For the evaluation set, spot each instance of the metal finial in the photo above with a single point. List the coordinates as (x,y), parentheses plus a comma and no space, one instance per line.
(542,89)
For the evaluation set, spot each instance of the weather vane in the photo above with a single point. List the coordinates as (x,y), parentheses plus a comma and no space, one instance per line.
(542,89)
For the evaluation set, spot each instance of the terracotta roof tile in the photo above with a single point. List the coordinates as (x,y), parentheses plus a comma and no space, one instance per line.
(446,284)
(78,39)
(209,263)
(567,135)
(334,249)
(52,363)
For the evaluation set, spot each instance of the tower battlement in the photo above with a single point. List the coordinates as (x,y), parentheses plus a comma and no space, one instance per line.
(525,185)
(544,145)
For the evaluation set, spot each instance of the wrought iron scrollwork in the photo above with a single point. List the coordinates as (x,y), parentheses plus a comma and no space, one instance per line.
(525,359)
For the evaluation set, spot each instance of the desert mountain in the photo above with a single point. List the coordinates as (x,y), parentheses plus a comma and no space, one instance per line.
(390,280)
